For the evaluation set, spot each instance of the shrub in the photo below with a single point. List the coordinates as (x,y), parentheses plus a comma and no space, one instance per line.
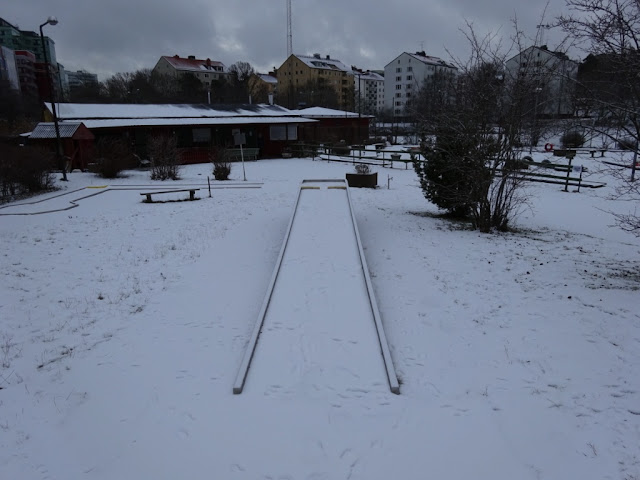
(112,156)
(572,140)
(163,151)
(24,170)
(628,143)
(363,169)
(221,170)
(221,164)
(341,149)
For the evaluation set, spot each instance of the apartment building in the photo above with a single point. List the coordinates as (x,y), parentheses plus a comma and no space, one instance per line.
(25,64)
(206,71)
(404,76)
(298,75)
(81,78)
(16,39)
(8,70)
(369,91)
(554,73)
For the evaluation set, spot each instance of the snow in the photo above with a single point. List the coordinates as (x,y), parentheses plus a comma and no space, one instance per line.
(323,112)
(122,325)
(329,311)
(82,111)
(154,122)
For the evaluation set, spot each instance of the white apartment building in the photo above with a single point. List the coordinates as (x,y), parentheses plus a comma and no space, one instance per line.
(554,74)
(369,91)
(404,76)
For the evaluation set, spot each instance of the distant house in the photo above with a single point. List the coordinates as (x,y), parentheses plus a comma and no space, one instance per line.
(404,76)
(204,70)
(263,86)
(302,80)
(197,128)
(554,73)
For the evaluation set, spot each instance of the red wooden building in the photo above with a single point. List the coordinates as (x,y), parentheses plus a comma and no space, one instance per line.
(75,138)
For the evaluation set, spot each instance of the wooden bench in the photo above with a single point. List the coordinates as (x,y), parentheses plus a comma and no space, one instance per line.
(192,193)
(593,152)
(249,154)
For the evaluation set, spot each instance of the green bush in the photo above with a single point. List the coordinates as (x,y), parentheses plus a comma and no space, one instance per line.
(221,164)
(221,170)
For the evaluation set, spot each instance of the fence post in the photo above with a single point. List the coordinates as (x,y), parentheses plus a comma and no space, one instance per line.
(566,183)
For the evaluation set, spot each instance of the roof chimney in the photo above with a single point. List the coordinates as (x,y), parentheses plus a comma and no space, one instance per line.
(316,55)
(176,56)
(191,57)
(328,57)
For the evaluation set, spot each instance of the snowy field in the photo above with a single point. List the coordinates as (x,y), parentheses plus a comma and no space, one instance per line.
(122,326)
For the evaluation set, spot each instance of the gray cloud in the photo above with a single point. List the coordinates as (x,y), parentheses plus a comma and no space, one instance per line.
(125,35)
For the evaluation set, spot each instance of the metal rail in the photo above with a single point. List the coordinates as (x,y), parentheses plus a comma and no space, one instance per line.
(382,339)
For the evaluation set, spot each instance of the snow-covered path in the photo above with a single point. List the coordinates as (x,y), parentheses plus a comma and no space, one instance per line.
(319,334)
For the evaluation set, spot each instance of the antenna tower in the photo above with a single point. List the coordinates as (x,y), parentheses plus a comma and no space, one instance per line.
(289,32)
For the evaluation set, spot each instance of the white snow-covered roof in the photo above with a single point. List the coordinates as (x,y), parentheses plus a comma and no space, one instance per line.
(426,59)
(429,60)
(82,111)
(369,76)
(316,61)
(265,77)
(155,122)
(47,130)
(194,64)
(322,112)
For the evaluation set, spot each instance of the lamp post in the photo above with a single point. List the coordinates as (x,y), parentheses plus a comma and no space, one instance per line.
(52,97)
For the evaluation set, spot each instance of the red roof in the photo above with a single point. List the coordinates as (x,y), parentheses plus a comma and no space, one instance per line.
(194,64)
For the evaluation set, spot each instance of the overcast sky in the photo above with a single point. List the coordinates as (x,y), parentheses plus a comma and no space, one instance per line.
(110,36)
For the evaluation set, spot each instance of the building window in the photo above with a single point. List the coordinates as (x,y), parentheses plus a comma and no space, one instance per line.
(283,132)
(398,87)
(398,69)
(201,135)
(399,94)
(398,78)
(409,77)
(409,69)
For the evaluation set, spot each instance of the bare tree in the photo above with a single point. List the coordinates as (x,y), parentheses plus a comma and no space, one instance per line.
(610,31)
(163,151)
(473,167)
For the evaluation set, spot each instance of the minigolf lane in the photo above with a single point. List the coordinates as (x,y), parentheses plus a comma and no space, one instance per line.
(319,333)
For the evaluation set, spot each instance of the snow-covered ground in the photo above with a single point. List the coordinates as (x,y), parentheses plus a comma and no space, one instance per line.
(122,326)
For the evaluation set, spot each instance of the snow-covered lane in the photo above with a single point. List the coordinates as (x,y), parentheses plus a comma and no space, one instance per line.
(319,333)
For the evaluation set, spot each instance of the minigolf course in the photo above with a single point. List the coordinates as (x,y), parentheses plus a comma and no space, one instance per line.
(319,327)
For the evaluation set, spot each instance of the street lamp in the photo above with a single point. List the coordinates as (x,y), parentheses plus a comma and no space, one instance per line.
(53,21)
